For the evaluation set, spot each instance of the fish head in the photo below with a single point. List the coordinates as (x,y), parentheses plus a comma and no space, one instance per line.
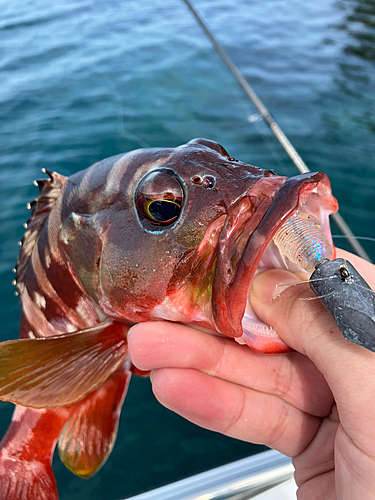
(178,234)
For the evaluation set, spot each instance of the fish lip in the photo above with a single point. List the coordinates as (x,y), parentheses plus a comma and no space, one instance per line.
(230,289)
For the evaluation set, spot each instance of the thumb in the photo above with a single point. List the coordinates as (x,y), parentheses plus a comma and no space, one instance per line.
(306,326)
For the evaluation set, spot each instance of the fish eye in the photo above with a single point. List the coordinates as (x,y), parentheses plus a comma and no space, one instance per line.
(162,211)
(159,197)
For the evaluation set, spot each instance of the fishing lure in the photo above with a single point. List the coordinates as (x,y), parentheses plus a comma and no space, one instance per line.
(348,298)
(338,285)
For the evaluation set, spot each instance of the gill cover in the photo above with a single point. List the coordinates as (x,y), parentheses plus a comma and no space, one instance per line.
(81,239)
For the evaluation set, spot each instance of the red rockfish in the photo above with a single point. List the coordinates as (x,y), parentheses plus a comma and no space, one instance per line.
(173,234)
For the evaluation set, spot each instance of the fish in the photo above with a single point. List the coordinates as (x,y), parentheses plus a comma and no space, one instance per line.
(171,234)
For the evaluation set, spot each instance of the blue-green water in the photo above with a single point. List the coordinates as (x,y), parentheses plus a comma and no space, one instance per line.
(82,80)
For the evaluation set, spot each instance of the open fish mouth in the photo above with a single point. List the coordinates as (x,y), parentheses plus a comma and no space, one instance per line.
(250,243)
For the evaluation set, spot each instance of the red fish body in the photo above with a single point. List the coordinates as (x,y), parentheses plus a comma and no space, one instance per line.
(174,234)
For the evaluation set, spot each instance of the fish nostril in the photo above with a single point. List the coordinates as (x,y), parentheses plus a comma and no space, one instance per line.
(197,179)
(208,182)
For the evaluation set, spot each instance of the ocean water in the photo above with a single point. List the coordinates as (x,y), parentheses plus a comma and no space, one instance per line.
(82,80)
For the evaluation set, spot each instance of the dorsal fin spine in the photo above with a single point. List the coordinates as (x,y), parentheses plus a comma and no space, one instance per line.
(49,191)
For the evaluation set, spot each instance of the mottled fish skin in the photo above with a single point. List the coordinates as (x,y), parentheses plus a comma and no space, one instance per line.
(91,262)
(65,295)
(52,300)
(93,256)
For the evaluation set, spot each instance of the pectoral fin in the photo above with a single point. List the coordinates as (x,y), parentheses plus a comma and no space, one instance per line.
(90,433)
(58,371)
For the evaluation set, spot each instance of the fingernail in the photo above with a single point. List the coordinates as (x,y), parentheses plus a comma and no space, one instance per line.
(131,330)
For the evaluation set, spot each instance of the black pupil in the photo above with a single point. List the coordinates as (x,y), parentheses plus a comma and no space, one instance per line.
(163,211)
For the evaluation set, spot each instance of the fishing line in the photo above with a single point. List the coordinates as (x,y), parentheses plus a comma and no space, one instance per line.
(269,120)
(254,119)
(285,286)
(302,282)
(317,296)
(364,288)
(276,294)
(366,238)
(119,105)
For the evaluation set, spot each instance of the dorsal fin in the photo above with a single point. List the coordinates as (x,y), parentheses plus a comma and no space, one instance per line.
(49,190)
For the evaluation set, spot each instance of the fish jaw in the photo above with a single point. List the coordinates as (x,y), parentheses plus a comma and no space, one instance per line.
(232,311)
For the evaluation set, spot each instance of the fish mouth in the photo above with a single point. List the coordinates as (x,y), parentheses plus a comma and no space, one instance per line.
(246,247)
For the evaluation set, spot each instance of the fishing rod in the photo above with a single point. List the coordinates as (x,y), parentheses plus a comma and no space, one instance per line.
(279,134)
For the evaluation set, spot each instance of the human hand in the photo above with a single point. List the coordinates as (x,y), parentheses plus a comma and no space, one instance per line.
(314,404)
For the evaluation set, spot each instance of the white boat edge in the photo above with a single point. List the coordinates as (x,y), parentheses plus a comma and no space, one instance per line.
(249,478)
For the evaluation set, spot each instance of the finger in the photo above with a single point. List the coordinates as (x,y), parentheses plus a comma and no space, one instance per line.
(308,328)
(304,324)
(291,376)
(234,410)
(318,458)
